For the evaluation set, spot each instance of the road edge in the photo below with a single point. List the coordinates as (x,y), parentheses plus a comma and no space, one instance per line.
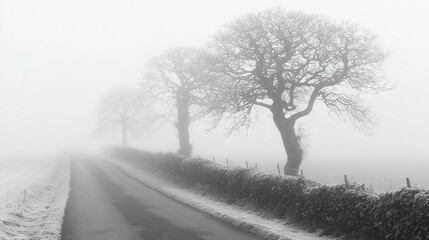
(271,229)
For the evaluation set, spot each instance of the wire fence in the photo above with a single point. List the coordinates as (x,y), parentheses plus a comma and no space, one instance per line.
(377,184)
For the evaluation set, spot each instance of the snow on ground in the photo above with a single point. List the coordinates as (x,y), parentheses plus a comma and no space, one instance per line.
(33,196)
(238,216)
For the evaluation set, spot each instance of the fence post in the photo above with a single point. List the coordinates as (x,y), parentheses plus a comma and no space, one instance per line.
(214,159)
(278,169)
(247,165)
(346,181)
(256,165)
(408,182)
(24,200)
(302,172)
(227,162)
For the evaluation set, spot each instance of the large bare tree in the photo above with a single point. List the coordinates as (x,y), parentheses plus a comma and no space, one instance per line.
(122,107)
(176,80)
(285,62)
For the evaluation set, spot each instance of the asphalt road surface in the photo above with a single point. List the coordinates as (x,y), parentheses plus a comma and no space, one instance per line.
(107,204)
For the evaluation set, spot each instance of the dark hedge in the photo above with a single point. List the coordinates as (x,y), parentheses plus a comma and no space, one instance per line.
(349,209)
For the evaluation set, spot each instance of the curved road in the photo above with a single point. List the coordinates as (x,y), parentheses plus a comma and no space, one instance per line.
(107,204)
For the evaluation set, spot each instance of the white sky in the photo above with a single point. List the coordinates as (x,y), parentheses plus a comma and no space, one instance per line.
(58,57)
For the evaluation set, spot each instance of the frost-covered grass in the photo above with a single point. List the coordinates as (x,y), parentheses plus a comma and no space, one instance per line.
(33,196)
(240,216)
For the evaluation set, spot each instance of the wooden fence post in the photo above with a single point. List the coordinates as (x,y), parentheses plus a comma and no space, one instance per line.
(346,181)
(214,160)
(227,162)
(278,169)
(256,165)
(247,165)
(408,182)
(302,172)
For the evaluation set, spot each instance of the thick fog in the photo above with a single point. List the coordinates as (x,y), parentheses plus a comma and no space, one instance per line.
(59,57)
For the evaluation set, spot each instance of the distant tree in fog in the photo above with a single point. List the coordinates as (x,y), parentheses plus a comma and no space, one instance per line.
(122,107)
(176,81)
(286,62)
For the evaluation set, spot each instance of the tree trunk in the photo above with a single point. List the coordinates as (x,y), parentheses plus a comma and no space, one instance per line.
(185,147)
(290,142)
(124,132)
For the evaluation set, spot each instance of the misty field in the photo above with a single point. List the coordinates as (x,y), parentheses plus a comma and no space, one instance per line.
(305,113)
(33,197)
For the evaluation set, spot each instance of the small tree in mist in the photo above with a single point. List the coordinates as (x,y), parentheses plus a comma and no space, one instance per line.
(122,107)
(176,81)
(285,62)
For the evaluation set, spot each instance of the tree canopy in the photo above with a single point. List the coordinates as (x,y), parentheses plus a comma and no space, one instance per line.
(122,107)
(289,60)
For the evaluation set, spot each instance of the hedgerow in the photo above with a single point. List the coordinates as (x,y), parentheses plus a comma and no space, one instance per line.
(349,209)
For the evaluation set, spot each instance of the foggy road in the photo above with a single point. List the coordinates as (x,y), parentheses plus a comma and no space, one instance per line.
(105,203)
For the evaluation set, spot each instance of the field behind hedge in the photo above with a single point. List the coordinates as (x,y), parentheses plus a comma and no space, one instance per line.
(349,209)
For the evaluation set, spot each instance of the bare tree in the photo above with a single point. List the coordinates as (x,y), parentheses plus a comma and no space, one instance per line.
(122,107)
(285,62)
(177,80)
